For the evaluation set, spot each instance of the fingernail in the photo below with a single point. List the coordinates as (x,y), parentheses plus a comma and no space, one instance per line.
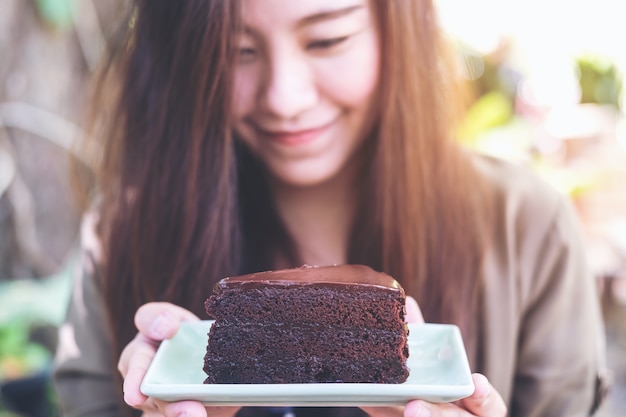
(422,411)
(161,326)
(482,387)
(482,391)
(183,414)
(131,400)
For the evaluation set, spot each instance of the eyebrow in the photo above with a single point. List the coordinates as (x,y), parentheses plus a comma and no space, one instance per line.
(327,15)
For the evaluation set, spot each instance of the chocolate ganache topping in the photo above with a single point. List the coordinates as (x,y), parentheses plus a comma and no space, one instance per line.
(342,275)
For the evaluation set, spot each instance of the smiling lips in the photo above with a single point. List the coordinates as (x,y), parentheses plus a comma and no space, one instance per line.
(295,137)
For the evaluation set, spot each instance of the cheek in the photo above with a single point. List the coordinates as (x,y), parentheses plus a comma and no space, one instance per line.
(244,92)
(351,79)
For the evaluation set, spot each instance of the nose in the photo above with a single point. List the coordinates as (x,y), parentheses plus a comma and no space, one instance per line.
(290,85)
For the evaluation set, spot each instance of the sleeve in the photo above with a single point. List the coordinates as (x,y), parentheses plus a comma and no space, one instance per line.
(84,372)
(561,340)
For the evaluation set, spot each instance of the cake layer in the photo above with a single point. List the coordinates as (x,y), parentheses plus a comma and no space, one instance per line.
(324,304)
(304,370)
(273,343)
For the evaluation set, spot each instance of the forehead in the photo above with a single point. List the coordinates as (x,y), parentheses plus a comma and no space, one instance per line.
(273,13)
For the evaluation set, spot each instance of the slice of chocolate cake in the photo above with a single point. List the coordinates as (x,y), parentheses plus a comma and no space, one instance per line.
(306,325)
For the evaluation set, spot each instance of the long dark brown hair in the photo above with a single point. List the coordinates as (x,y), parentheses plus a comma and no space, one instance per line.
(184,204)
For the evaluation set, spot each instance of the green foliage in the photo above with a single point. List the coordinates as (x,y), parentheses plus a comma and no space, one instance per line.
(19,355)
(491,110)
(600,81)
(56,13)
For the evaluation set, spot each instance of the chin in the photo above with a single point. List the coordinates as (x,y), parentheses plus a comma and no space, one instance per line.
(309,177)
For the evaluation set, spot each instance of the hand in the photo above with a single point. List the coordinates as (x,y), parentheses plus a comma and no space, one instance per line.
(484,402)
(157,322)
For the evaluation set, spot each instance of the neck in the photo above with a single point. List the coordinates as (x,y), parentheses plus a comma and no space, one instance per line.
(319,218)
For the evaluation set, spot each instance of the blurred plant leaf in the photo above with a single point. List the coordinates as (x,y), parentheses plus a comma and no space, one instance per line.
(27,306)
(56,13)
(13,336)
(490,110)
(600,81)
(20,356)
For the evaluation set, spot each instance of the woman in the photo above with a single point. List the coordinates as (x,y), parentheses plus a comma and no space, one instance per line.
(263,134)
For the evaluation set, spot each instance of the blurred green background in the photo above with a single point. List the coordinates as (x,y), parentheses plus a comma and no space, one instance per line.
(545,83)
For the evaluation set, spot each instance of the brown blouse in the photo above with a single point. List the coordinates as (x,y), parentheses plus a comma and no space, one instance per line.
(542,346)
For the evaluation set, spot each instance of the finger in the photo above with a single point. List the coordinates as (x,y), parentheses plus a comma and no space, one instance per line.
(160,321)
(150,409)
(136,367)
(485,401)
(130,349)
(122,364)
(413,312)
(181,409)
(423,409)
(194,409)
(383,411)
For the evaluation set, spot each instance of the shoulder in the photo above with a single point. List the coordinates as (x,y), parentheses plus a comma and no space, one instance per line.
(534,227)
(520,194)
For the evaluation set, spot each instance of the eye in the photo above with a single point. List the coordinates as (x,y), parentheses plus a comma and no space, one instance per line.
(246,54)
(327,43)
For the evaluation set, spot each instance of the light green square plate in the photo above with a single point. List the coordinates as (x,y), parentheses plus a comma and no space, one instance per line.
(439,372)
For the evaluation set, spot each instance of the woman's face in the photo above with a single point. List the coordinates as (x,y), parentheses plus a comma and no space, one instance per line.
(305,79)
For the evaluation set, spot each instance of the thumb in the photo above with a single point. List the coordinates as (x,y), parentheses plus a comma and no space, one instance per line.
(159,320)
(413,312)
(485,401)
